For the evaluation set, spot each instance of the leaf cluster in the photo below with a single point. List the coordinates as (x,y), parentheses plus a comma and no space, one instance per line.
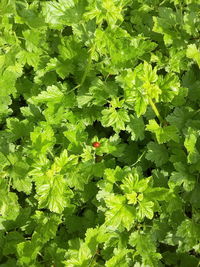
(118,72)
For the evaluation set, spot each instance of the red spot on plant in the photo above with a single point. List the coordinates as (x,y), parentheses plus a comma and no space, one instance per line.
(96,144)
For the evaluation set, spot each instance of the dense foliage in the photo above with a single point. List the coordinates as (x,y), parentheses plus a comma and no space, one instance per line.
(99,138)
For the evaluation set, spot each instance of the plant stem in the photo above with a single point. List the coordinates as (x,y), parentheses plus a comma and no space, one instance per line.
(155,110)
(138,160)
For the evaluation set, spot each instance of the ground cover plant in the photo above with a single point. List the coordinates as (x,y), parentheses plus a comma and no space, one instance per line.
(99,133)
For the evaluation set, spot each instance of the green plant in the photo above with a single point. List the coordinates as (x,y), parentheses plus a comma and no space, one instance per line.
(99,139)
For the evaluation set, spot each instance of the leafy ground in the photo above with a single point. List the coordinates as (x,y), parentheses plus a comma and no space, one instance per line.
(121,73)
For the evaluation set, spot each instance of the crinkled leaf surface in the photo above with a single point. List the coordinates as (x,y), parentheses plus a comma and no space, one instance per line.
(99,133)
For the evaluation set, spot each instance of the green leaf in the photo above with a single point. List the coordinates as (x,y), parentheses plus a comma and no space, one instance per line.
(115,118)
(190,144)
(29,15)
(78,254)
(146,247)
(7,83)
(84,100)
(19,175)
(42,139)
(145,209)
(119,259)
(157,193)
(107,10)
(62,13)
(19,129)
(157,153)
(7,7)
(113,175)
(11,241)
(76,134)
(133,182)
(119,72)
(27,252)
(4,106)
(30,58)
(96,236)
(136,128)
(193,53)
(101,91)
(182,177)
(140,86)
(179,117)
(52,95)
(109,41)
(80,175)
(170,87)
(119,214)
(52,192)
(166,23)
(9,207)
(163,134)
(188,233)
(33,39)
(46,226)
